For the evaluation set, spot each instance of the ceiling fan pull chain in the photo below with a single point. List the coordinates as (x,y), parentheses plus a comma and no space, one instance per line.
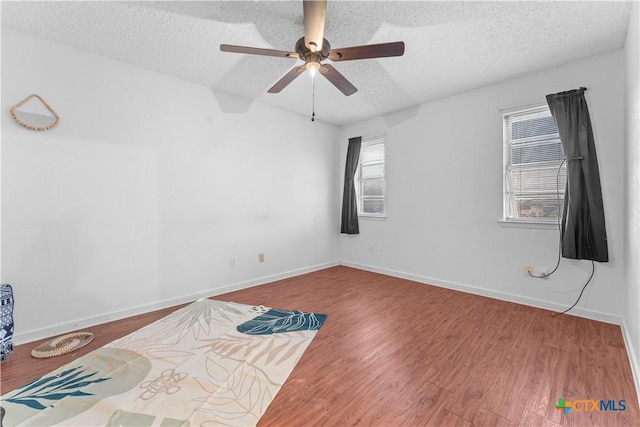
(313,99)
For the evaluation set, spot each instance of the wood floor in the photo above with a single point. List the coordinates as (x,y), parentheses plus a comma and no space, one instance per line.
(399,353)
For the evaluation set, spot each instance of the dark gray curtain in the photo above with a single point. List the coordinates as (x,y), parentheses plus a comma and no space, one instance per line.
(583,229)
(349,202)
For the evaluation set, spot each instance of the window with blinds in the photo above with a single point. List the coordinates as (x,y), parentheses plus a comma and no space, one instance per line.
(534,171)
(370,177)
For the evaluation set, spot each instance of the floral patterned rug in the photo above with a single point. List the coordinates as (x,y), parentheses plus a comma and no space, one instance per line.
(209,363)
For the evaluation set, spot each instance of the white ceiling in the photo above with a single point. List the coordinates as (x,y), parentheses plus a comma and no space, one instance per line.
(451,46)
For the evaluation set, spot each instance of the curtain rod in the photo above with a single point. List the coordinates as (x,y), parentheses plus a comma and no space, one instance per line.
(570,92)
(536,104)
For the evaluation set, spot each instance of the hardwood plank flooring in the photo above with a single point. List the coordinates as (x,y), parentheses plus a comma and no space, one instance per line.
(398,353)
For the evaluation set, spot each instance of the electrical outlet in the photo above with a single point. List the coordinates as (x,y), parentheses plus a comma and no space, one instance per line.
(233,262)
(260,257)
(528,271)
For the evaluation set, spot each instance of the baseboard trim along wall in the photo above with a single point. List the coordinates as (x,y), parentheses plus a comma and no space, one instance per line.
(63,328)
(504,296)
(633,357)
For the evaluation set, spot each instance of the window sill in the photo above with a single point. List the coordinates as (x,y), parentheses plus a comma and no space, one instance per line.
(373,217)
(514,223)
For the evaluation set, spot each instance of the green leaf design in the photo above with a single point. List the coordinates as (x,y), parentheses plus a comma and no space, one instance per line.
(278,321)
(44,380)
(66,379)
(54,388)
(31,403)
(58,396)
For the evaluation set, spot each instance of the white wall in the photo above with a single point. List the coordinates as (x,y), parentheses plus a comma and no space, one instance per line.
(146,189)
(631,315)
(444,195)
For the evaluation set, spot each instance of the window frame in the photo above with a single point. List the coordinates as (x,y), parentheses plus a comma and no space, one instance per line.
(509,208)
(359,181)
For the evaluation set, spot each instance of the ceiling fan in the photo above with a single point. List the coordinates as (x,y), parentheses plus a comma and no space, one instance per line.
(314,48)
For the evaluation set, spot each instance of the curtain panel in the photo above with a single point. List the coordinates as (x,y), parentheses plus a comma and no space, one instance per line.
(349,202)
(583,230)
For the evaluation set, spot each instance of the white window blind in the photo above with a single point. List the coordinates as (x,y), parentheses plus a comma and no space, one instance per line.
(534,171)
(371,185)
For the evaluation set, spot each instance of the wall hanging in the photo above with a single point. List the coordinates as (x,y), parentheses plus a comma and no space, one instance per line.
(35,114)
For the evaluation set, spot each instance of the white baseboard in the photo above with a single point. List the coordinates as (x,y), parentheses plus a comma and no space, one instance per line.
(633,357)
(476,290)
(62,328)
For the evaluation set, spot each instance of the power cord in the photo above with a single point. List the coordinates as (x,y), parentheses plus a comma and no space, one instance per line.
(545,275)
(593,270)
(593,264)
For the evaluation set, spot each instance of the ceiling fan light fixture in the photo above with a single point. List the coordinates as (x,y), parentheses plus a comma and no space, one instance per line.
(312,66)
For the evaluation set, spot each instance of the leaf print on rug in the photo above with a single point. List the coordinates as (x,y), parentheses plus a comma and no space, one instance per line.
(40,393)
(195,321)
(237,394)
(277,321)
(208,363)
(74,389)
(259,349)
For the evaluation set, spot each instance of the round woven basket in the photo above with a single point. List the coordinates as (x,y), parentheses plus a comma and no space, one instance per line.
(62,345)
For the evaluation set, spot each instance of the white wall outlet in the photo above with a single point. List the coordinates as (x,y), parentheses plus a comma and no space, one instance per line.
(527,271)
(233,262)
(260,257)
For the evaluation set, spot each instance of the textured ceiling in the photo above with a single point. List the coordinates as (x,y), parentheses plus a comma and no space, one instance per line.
(450,46)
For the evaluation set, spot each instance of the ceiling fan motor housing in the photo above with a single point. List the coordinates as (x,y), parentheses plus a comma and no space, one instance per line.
(308,56)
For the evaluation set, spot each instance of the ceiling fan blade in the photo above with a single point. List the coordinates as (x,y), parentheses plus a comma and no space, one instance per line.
(287,78)
(257,51)
(338,79)
(314,13)
(381,50)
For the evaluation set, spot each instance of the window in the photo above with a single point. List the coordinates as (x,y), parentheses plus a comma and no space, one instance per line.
(370,178)
(534,167)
